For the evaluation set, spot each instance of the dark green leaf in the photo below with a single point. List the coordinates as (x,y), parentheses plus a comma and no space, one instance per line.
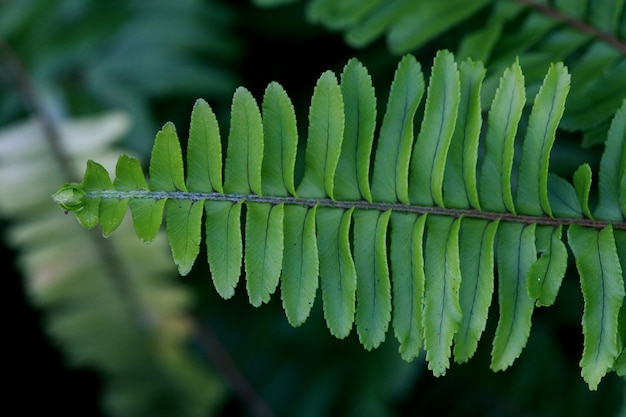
(532,185)
(326,124)
(280,134)
(352,176)
(183,219)
(264,250)
(244,154)
(506,111)
(547,273)
(476,248)
(204,151)
(166,162)
(407,275)
(373,291)
(428,161)
(390,181)
(299,280)
(442,311)
(224,245)
(459,186)
(516,253)
(337,271)
(602,285)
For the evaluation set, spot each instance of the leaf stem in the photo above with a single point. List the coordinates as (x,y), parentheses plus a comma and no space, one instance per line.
(364,205)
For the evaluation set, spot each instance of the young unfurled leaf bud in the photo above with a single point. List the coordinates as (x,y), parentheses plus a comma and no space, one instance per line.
(70,197)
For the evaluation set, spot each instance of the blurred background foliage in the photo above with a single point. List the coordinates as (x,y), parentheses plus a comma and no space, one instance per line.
(106,327)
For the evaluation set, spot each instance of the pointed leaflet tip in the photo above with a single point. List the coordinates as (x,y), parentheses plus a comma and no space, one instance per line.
(532,185)
(244,155)
(352,175)
(431,147)
(390,181)
(280,135)
(166,161)
(504,116)
(326,124)
(204,150)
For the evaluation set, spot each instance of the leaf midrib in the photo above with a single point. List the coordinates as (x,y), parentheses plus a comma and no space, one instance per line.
(361,204)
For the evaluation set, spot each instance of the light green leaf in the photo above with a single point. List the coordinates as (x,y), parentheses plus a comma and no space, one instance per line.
(326,124)
(547,273)
(504,116)
(373,291)
(96,179)
(407,275)
(532,185)
(166,162)
(390,182)
(613,170)
(352,176)
(563,198)
(337,270)
(476,248)
(442,311)
(204,150)
(582,184)
(459,186)
(244,155)
(263,257)
(113,210)
(147,212)
(129,175)
(299,280)
(516,253)
(224,245)
(428,161)
(183,219)
(281,142)
(602,285)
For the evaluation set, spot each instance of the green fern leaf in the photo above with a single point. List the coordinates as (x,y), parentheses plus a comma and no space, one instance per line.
(337,270)
(515,254)
(602,284)
(460,189)
(300,264)
(476,248)
(373,310)
(204,151)
(442,311)
(396,134)
(422,240)
(280,134)
(431,147)
(504,116)
(326,124)
(264,250)
(532,188)
(547,273)
(408,278)
(360,122)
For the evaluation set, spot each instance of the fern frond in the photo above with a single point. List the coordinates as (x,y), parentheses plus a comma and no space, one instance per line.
(417,250)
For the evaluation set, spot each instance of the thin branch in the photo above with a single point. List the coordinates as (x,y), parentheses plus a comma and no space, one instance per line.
(119,276)
(575,23)
(35,104)
(365,205)
(224,363)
